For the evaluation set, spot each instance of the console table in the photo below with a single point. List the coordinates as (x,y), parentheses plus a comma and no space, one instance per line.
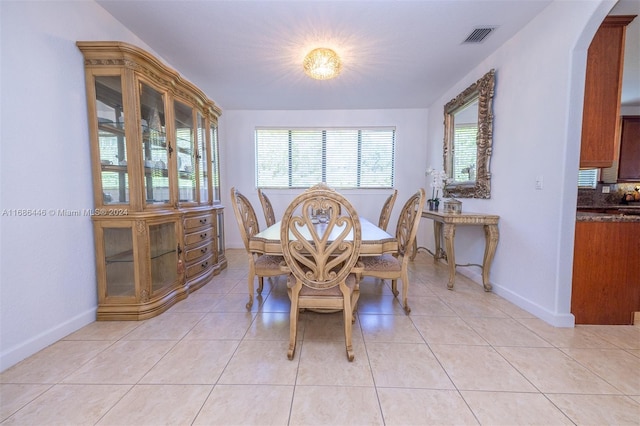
(444,225)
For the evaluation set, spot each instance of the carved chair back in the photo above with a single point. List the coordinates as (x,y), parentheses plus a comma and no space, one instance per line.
(408,222)
(269,214)
(245,216)
(387,207)
(321,254)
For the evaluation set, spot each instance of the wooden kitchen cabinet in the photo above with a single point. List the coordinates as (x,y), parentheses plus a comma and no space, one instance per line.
(603,85)
(606,279)
(155,163)
(629,163)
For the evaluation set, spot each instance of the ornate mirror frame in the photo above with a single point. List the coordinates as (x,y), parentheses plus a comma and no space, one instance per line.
(482,90)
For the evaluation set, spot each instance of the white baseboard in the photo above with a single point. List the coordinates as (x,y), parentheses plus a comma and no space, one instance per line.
(555,319)
(17,353)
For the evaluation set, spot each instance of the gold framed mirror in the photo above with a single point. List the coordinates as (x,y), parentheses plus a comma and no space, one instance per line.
(468,140)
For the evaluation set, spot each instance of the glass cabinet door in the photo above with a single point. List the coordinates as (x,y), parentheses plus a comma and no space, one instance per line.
(203,163)
(185,148)
(119,262)
(164,255)
(215,163)
(111,140)
(155,152)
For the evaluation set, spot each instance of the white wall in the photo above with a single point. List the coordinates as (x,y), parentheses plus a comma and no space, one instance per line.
(47,271)
(630,110)
(537,123)
(237,136)
(47,274)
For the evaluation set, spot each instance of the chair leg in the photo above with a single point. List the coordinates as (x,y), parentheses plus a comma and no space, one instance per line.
(347,317)
(354,301)
(348,330)
(394,287)
(250,302)
(252,274)
(293,322)
(405,292)
(260,284)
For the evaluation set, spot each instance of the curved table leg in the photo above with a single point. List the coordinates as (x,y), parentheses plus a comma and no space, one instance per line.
(437,235)
(449,232)
(414,249)
(491,236)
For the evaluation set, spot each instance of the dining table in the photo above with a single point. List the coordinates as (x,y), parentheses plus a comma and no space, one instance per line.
(375,241)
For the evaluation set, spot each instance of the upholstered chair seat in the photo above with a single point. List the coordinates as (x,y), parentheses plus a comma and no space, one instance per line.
(384,263)
(266,264)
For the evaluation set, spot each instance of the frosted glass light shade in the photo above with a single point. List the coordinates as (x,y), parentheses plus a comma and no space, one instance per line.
(322,64)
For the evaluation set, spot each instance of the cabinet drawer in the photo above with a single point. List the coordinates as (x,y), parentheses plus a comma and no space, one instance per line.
(200,267)
(199,237)
(195,222)
(198,252)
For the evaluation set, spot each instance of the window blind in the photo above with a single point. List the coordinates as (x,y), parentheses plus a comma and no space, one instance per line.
(466,146)
(343,158)
(587,178)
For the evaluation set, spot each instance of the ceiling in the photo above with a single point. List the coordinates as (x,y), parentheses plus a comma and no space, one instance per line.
(396,54)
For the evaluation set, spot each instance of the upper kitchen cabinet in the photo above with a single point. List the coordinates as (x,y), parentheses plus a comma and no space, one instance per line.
(601,114)
(629,168)
(157,219)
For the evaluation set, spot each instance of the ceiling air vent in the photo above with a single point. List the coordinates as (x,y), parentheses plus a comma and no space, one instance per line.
(479,34)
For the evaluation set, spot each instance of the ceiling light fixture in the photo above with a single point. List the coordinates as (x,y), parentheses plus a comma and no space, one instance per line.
(322,64)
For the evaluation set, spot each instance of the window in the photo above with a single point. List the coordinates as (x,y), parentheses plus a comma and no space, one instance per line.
(464,162)
(587,178)
(343,158)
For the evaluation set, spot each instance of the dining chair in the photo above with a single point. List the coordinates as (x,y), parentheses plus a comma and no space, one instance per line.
(259,265)
(387,207)
(267,208)
(321,258)
(395,266)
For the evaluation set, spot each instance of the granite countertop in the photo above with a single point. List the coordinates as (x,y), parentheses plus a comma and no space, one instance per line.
(597,206)
(622,213)
(631,205)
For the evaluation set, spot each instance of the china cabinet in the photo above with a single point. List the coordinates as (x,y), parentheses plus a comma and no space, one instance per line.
(158,221)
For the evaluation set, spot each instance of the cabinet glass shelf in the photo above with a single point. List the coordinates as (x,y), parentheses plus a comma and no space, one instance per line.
(110,128)
(127,256)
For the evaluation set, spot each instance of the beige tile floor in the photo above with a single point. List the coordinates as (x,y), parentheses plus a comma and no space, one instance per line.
(461,357)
